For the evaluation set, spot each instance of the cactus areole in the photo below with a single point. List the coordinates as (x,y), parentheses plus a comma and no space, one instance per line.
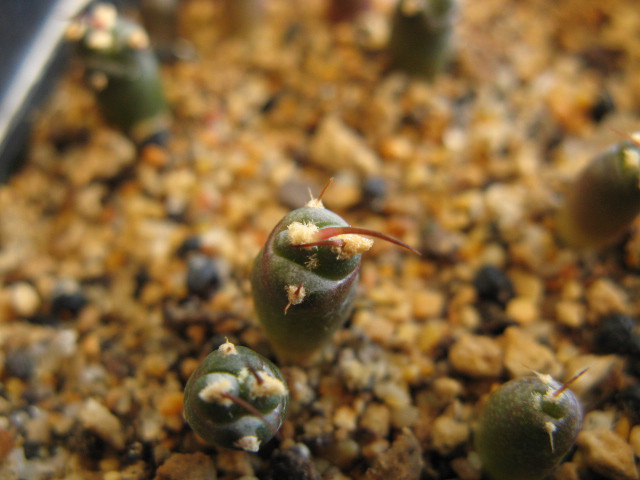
(527,427)
(304,279)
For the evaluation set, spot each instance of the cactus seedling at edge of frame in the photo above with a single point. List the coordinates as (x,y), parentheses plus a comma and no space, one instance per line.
(420,38)
(526,428)
(304,279)
(236,398)
(123,72)
(605,197)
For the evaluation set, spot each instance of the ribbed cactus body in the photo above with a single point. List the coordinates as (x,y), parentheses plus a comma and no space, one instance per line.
(218,392)
(526,428)
(329,287)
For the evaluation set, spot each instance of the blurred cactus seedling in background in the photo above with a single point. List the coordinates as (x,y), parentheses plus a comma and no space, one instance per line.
(605,197)
(421,36)
(526,428)
(123,72)
(304,279)
(346,10)
(236,399)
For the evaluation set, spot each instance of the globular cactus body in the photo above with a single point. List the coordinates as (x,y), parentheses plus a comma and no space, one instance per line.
(123,72)
(236,398)
(526,428)
(329,287)
(304,280)
(604,199)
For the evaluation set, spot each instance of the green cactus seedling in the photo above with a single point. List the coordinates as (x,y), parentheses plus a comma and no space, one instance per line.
(123,72)
(236,398)
(420,39)
(605,197)
(304,279)
(527,427)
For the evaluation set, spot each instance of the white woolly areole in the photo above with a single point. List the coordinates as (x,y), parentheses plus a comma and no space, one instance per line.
(99,40)
(300,233)
(353,245)
(315,203)
(105,15)
(295,294)
(215,390)
(268,385)
(228,348)
(248,443)
(138,39)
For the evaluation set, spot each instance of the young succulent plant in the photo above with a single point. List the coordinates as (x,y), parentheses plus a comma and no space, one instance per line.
(236,398)
(605,197)
(527,427)
(123,72)
(305,277)
(420,39)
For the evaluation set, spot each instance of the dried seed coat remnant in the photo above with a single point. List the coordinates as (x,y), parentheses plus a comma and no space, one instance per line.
(216,391)
(248,443)
(228,348)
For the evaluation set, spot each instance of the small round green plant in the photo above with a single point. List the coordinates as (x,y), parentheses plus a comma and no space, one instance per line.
(526,428)
(305,277)
(236,398)
(122,70)
(605,197)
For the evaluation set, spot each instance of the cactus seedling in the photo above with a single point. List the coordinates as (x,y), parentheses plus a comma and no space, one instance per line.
(123,72)
(420,40)
(304,279)
(526,427)
(236,398)
(605,197)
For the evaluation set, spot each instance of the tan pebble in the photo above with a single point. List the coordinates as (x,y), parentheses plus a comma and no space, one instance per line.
(403,460)
(194,466)
(634,440)
(155,365)
(608,454)
(522,310)
(572,290)
(567,471)
(432,334)
(343,452)
(372,449)
(598,370)
(345,418)
(90,345)
(98,419)
(476,356)
(448,433)
(405,416)
(188,366)
(447,388)
(570,313)
(604,297)
(392,393)
(335,146)
(427,304)
(375,419)
(526,284)
(344,192)
(523,354)
(111,475)
(171,403)
(24,299)
(7,442)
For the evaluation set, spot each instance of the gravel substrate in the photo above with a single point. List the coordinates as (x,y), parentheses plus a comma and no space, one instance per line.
(120,270)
